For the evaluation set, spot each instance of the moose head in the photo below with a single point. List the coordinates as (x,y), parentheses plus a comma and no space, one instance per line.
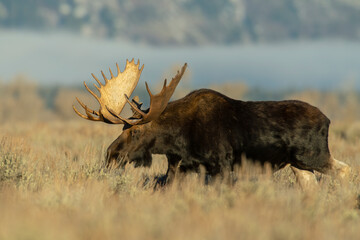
(138,139)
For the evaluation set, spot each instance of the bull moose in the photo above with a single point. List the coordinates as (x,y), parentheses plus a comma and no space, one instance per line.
(210,129)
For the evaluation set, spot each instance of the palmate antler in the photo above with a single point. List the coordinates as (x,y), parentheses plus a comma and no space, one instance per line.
(114,95)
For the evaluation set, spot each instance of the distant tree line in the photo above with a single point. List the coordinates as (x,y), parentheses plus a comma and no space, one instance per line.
(23,100)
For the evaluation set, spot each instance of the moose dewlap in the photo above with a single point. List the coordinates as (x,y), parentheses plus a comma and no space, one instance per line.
(210,129)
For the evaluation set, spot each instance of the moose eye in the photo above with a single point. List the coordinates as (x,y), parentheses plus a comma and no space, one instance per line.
(134,132)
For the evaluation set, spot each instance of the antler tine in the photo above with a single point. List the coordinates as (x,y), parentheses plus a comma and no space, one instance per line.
(92,93)
(174,81)
(120,119)
(85,107)
(112,75)
(103,74)
(89,116)
(118,69)
(148,89)
(164,87)
(97,87)
(78,113)
(179,74)
(97,80)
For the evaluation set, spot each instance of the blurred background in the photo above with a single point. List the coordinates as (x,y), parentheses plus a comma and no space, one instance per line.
(247,49)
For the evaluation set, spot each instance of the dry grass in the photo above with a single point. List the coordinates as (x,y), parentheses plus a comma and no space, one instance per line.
(52,186)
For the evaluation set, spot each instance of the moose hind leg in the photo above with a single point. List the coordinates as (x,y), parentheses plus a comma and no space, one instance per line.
(305,178)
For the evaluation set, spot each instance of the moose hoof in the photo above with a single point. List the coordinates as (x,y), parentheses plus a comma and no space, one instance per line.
(160,181)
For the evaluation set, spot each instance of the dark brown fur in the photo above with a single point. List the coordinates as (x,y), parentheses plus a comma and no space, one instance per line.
(210,129)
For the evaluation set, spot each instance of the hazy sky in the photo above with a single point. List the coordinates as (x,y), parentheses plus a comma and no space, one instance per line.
(66,59)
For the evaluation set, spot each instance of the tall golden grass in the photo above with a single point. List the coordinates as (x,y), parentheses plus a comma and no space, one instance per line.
(52,186)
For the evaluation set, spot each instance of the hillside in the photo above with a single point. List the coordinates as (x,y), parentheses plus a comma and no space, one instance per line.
(188,22)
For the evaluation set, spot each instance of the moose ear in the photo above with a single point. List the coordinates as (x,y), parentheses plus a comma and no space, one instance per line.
(136,100)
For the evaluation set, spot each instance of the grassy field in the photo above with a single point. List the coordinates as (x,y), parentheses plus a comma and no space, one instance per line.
(52,186)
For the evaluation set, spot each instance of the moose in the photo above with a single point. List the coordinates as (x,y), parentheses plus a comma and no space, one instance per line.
(206,128)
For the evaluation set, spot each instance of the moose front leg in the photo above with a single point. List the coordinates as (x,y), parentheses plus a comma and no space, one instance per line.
(173,166)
